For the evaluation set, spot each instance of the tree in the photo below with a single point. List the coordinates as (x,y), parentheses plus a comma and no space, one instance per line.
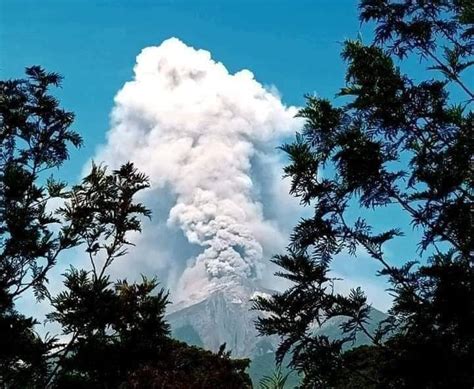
(188,367)
(395,142)
(34,139)
(111,331)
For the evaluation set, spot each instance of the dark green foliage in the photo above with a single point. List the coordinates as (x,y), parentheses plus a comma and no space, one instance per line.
(400,143)
(112,332)
(22,352)
(113,328)
(188,367)
(34,138)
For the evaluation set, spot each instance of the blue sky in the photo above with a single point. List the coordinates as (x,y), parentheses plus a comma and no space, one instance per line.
(294,45)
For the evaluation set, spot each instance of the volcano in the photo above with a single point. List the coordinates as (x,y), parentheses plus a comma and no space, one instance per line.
(223,314)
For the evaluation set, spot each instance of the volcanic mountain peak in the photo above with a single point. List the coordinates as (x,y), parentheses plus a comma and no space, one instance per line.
(234,289)
(222,314)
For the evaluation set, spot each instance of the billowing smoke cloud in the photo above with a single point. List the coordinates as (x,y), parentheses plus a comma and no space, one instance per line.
(205,137)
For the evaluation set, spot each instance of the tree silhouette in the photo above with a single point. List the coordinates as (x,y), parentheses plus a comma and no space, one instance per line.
(111,332)
(394,142)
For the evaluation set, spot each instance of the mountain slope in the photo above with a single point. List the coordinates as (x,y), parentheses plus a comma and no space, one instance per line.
(225,316)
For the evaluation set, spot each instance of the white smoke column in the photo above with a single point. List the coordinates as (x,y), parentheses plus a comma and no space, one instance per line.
(194,128)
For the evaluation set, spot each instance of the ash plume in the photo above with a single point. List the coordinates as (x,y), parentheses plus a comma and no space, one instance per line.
(199,131)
